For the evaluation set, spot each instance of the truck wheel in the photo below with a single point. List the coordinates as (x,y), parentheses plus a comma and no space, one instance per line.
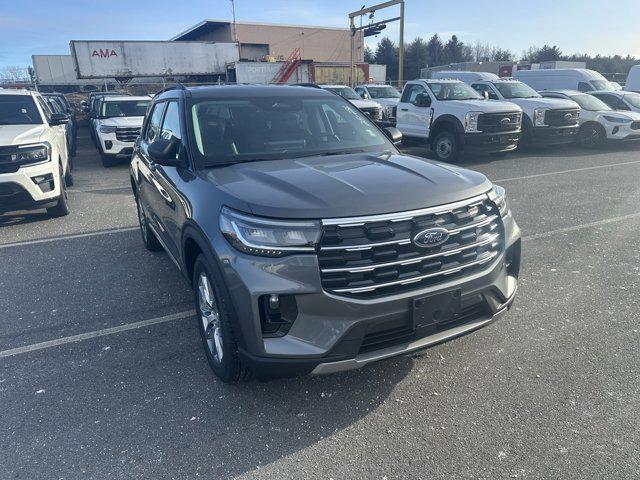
(445,147)
(61,208)
(591,136)
(149,239)
(107,161)
(215,324)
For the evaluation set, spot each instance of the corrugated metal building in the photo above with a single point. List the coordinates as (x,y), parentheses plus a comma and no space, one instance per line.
(258,40)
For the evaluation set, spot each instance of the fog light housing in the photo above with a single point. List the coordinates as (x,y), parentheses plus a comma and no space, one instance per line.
(615,130)
(45,182)
(277,314)
(108,144)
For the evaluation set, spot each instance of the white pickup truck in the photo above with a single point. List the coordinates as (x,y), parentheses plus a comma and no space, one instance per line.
(451,117)
(545,121)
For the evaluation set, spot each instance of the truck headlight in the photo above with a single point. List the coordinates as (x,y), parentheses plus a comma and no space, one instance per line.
(107,129)
(539,116)
(617,119)
(471,122)
(268,238)
(498,195)
(31,154)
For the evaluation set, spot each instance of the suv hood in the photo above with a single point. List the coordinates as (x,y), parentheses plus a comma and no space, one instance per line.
(21,134)
(343,185)
(365,103)
(122,121)
(552,103)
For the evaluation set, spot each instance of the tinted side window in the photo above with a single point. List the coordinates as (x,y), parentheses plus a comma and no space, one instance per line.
(45,108)
(411,92)
(584,87)
(171,124)
(481,88)
(153,127)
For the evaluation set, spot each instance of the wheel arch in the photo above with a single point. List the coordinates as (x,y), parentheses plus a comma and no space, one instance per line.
(444,123)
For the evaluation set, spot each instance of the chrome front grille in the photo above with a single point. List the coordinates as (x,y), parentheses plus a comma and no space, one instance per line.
(376,255)
(127,134)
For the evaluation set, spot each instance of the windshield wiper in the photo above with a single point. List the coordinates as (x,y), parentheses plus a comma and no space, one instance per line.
(338,152)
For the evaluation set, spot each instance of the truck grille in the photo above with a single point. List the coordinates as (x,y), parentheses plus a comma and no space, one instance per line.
(562,118)
(375,256)
(130,134)
(499,122)
(372,112)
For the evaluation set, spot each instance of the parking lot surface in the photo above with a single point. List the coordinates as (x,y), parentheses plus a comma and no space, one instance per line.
(102,373)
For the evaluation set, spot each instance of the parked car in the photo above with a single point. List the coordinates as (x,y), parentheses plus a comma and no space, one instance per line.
(57,106)
(633,80)
(117,124)
(368,107)
(580,79)
(451,117)
(34,159)
(92,106)
(598,121)
(71,113)
(312,244)
(545,121)
(385,95)
(620,100)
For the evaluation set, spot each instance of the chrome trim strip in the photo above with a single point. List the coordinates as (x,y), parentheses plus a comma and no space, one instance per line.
(415,279)
(408,215)
(362,360)
(446,253)
(404,241)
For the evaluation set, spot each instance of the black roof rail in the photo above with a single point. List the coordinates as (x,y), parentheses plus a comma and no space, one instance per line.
(177,86)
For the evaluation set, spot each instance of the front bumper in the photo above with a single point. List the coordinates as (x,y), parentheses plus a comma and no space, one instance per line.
(491,142)
(621,132)
(555,135)
(30,187)
(330,330)
(113,147)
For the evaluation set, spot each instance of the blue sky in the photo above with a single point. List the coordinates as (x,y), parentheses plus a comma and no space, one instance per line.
(45,27)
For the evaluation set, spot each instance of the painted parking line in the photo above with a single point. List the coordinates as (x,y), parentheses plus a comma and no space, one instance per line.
(574,228)
(68,237)
(95,334)
(560,172)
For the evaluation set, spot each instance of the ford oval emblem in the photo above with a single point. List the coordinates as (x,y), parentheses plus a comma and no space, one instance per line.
(505,121)
(431,237)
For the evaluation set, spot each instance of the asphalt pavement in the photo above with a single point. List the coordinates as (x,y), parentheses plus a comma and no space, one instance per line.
(102,373)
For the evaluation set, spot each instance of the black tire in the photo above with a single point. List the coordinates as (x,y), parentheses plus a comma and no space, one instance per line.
(446,147)
(591,136)
(149,238)
(216,324)
(107,161)
(61,208)
(68,178)
(526,137)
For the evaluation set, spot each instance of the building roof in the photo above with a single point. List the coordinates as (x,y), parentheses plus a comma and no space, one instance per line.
(208,25)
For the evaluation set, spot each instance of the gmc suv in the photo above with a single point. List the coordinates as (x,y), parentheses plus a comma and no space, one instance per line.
(312,244)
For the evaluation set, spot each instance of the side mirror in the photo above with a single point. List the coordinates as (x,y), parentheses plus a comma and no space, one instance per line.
(423,100)
(164,152)
(485,94)
(365,96)
(394,135)
(58,119)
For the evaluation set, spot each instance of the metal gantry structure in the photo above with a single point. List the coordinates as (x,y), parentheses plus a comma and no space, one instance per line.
(375,28)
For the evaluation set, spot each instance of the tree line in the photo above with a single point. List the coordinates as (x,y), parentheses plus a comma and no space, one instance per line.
(419,54)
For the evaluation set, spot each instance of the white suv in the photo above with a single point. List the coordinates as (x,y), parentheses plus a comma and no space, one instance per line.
(385,95)
(370,108)
(34,161)
(117,125)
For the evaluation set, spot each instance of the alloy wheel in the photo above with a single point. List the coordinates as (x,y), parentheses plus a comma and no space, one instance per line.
(210,317)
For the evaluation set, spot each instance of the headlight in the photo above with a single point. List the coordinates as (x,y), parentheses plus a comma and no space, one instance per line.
(471,122)
(498,195)
(268,238)
(107,129)
(31,154)
(617,119)
(538,117)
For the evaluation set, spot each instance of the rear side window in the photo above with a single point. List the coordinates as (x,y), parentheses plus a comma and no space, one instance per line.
(153,127)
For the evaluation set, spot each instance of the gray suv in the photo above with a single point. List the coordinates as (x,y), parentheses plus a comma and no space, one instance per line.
(312,244)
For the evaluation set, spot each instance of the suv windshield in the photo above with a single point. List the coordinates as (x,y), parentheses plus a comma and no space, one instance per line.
(633,99)
(453,91)
(589,102)
(383,92)
(124,108)
(18,110)
(516,90)
(602,85)
(344,92)
(280,127)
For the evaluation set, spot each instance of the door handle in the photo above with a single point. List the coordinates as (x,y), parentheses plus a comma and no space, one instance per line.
(404,109)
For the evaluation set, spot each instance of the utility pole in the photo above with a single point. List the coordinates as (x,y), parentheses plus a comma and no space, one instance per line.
(235,31)
(375,29)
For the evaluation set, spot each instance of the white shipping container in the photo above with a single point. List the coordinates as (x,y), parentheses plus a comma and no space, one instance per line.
(56,70)
(98,59)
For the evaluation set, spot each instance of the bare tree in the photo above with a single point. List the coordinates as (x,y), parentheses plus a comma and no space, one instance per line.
(13,73)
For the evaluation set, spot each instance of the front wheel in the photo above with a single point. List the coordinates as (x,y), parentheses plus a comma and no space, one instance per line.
(446,147)
(61,208)
(591,136)
(215,324)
